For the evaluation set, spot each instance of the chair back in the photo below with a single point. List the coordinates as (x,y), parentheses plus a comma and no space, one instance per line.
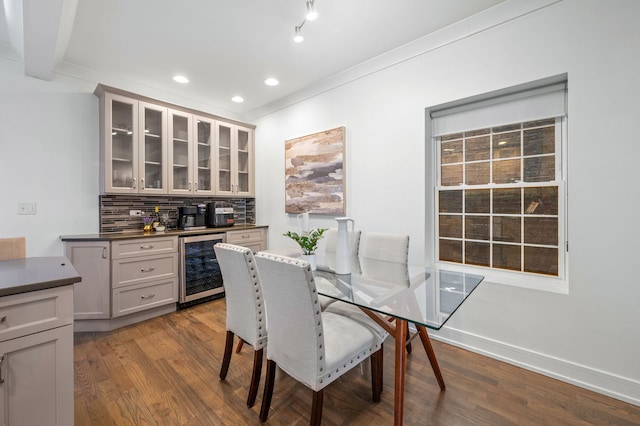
(246,314)
(384,257)
(296,338)
(326,252)
(13,248)
(392,248)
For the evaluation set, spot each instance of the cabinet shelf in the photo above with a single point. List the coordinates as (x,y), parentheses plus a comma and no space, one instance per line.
(153,163)
(180,140)
(180,166)
(121,160)
(152,135)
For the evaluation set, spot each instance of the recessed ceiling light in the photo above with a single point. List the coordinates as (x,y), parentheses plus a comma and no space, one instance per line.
(271,82)
(237,99)
(180,79)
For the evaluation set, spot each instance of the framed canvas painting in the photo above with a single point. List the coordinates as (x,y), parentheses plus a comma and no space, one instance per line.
(314,173)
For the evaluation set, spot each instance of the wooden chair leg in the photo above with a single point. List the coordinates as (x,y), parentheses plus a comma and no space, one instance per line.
(316,408)
(226,359)
(239,347)
(255,377)
(375,376)
(268,390)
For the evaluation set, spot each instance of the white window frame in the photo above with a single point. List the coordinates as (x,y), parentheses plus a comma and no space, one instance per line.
(559,284)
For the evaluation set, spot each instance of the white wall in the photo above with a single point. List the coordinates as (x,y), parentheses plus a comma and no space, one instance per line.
(49,156)
(590,336)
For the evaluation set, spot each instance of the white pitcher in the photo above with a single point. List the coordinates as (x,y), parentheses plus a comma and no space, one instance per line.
(343,246)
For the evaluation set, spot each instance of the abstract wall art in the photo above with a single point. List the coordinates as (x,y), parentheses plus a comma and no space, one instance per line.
(314,173)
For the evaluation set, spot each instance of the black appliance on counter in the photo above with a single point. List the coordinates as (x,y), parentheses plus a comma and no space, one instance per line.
(219,215)
(192,217)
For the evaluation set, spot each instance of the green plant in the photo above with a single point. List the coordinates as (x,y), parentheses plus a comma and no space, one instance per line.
(308,241)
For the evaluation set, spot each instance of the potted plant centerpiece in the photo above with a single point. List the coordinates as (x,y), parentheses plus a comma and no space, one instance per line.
(308,242)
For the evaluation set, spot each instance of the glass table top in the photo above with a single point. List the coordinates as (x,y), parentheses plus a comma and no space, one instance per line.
(424,296)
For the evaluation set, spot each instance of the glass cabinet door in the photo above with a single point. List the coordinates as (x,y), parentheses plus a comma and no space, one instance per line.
(122,157)
(225,172)
(152,148)
(180,180)
(243,160)
(204,151)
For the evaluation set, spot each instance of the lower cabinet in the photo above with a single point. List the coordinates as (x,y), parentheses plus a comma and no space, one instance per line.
(123,281)
(255,239)
(36,368)
(91,297)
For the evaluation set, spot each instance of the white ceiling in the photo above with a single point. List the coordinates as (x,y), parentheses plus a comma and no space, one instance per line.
(225,47)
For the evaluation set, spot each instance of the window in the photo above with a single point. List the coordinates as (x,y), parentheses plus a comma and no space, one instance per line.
(500,187)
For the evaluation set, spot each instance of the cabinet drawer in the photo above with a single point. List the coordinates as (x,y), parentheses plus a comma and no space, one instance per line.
(144,247)
(135,298)
(246,237)
(141,269)
(35,311)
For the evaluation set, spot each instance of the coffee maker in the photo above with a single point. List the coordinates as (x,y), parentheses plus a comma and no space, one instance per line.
(192,217)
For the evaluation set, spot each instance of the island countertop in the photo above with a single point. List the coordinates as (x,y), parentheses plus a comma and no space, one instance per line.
(35,273)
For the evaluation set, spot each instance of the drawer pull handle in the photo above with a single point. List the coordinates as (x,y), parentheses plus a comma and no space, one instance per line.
(149,269)
(148,296)
(1,365)
(146,247)
(3,318)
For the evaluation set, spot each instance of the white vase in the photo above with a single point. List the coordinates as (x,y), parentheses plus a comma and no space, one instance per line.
(311,258)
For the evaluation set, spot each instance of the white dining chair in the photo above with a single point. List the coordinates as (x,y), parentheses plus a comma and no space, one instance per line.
(246,315)
(312,346)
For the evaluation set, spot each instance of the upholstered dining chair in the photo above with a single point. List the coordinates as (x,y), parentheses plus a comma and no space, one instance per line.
(390,250)
(245,308)
(312,346)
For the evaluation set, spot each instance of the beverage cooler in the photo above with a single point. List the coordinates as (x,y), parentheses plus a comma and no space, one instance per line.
(200,275)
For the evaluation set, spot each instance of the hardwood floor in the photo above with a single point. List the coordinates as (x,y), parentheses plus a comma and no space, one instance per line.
(164,371)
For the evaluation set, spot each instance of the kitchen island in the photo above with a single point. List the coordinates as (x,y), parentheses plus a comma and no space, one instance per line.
(36,340)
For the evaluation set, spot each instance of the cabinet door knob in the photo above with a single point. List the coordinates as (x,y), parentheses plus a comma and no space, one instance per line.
(142,183)
(134,183)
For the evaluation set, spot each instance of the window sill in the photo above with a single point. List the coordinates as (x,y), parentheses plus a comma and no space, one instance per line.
(514,279)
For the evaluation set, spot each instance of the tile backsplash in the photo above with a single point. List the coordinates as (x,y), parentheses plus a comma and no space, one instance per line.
(114,210)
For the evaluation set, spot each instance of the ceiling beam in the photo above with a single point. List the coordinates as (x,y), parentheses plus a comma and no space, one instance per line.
(39,31)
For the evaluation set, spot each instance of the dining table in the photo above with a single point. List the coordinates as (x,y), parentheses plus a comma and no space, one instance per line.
(396,295)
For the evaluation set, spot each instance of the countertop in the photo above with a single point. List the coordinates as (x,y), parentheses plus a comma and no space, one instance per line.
(35,273)
(113,236)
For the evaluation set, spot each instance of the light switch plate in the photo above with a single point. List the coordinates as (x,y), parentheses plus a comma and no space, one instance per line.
(26,208)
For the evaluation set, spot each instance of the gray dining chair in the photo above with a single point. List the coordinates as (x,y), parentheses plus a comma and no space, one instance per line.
(312,346)
(246,315)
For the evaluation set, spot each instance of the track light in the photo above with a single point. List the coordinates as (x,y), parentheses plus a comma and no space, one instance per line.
(311,12)
(298,37)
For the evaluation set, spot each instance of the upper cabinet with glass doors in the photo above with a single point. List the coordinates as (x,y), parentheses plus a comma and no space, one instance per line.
(191,151)
(152,148)
(235,160)
(134,146)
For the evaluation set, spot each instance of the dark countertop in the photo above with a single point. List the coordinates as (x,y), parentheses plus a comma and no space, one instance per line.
(113,236)
(35,273)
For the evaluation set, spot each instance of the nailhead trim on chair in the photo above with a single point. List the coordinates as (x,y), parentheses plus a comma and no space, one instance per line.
(324,378)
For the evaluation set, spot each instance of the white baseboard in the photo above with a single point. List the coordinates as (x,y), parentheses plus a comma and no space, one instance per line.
(599,381)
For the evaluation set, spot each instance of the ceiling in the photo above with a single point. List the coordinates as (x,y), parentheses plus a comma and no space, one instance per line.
(224,47)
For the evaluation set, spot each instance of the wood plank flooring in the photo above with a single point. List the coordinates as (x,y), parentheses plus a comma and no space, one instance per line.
(164,371)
